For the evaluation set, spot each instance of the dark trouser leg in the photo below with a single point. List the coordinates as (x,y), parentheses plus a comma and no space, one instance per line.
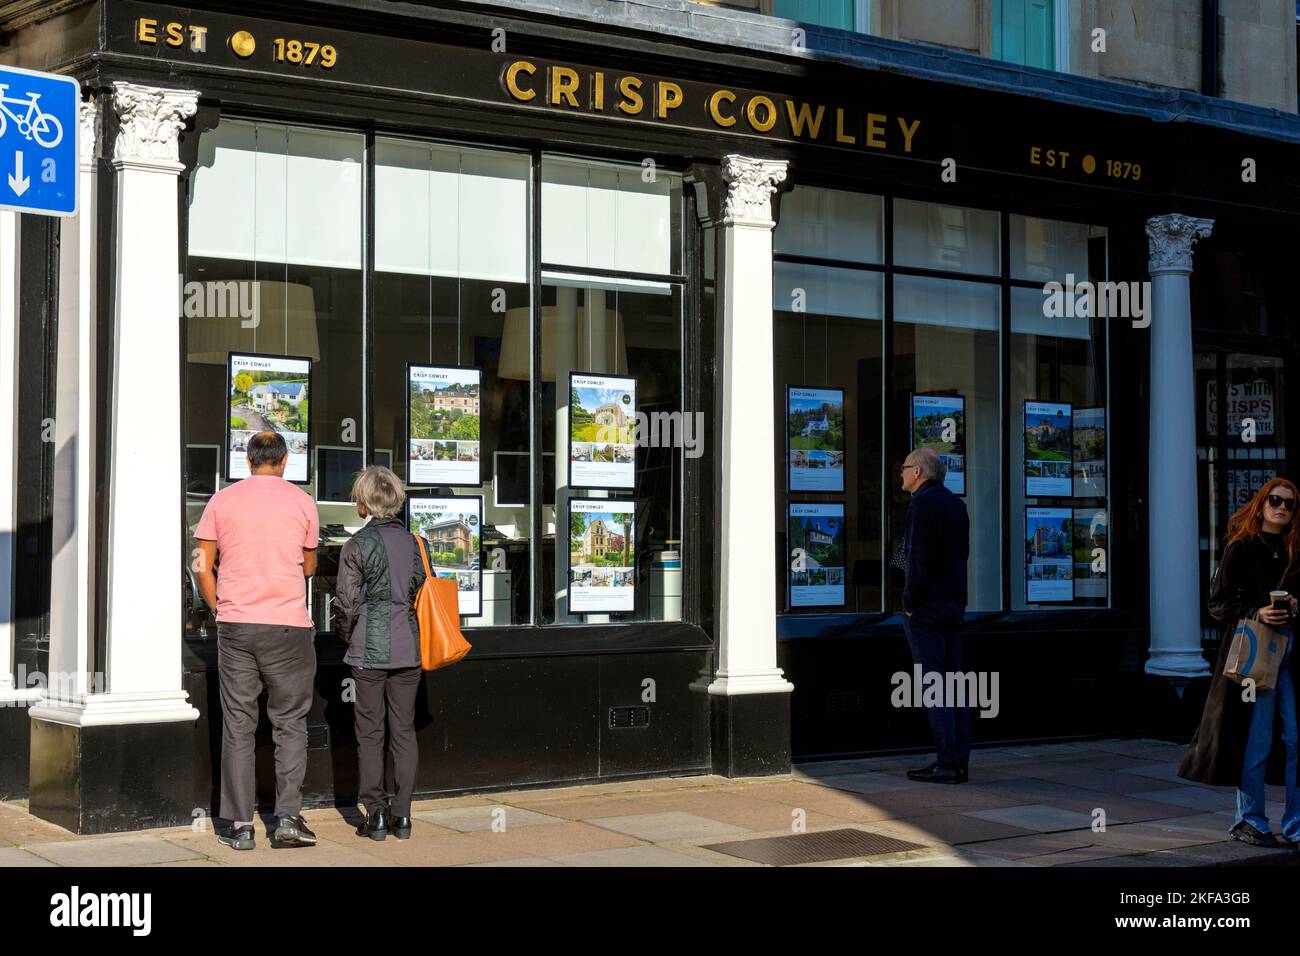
(288,660)
(962,715)
(929,645)
(240,688)
(400,690)
(368,719)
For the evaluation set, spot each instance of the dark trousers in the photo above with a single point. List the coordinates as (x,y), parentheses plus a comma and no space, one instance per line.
(934,636)
(282,660)
(392,690)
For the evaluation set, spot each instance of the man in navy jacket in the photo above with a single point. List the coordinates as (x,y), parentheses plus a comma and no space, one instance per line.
(935,549)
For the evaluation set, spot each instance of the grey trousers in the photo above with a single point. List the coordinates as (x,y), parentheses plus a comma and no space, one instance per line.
(283,660)
(395,691)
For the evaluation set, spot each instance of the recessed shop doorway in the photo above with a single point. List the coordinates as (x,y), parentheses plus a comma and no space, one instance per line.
(1241,440)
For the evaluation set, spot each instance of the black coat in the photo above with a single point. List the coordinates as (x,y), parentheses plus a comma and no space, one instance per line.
(936,546)
(1249,570)
(380,573)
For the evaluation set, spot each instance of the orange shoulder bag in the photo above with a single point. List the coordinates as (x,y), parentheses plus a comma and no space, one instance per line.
(437,609)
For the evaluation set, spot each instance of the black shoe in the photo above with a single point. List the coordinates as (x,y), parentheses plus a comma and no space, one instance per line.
(1246,833)
(402,828)
(376,825)
(935,774)
(963,775)
(291,832)
(237,838)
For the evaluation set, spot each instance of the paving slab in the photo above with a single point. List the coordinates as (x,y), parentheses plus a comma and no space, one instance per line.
(518,861)
(1038,844)
(115,851)
(1038,817)
(667,827)
(644,855)
(15,856)
(1148,837)
(741,810)
(1191,797)
(468,819)
(869,782)
(552,841)
(1121,808)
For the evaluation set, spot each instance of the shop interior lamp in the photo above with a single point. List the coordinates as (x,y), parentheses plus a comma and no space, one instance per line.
(582,343)
(277,318)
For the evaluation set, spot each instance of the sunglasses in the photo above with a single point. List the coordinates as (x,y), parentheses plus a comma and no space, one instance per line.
(1277,501)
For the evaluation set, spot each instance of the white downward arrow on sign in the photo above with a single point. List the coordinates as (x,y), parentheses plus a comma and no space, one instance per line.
(17,181)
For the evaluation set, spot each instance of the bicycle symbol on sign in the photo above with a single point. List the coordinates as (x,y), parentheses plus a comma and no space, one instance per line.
(43,127)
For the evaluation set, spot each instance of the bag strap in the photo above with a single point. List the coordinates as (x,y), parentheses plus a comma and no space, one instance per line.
(424,556)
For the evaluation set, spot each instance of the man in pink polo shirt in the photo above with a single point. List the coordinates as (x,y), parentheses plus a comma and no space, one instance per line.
(257,541)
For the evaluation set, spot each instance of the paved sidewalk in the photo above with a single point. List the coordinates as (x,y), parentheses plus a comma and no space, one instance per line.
(1024,806)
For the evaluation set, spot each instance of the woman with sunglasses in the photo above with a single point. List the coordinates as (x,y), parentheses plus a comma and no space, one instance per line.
(1233,744)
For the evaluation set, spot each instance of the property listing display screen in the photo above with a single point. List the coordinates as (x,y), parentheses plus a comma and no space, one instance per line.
(1089,443)
(939,423)
(442,423)
(602,557)
(1090,550)
(602,431)
(817,568)
(814,427)
(449,527)
(268,393)
(1049,555)
(1048,449)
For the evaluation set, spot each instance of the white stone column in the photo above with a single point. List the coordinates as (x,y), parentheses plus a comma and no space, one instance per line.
(1172,502)
(9,262)
(143,534)
(747,528)
(72,581)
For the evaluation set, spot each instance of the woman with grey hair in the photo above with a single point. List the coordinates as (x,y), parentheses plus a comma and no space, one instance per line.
(380,573)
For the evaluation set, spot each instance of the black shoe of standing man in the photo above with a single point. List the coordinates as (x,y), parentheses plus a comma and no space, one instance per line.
(376,825)
(291,832)
(936,774)
(237,838)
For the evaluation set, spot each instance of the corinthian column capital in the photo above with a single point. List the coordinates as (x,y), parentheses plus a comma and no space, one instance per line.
(1170,239)
(750,185)
(150,121)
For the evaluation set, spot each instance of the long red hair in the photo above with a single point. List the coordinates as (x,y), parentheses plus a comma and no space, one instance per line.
(1248,522)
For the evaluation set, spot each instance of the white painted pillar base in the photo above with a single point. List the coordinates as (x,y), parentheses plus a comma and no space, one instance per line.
(144,543)
(1175,604)
(747,529)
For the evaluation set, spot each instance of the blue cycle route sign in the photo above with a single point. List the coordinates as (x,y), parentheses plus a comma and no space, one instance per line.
(38,142)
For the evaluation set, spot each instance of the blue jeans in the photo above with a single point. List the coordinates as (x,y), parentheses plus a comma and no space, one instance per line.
(1250,795)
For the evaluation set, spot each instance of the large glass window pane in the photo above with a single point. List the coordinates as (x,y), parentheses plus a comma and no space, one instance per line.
(828,337)
(1047,249)
(932,236)
(600,330)
(274,266)
(1058,362)
(831,224)
(451,290)
(600,216)
(946,343)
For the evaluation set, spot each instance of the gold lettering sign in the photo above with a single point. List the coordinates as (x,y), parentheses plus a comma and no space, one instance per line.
(573,88)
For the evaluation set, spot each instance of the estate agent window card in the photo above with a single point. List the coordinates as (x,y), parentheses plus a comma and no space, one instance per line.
(268,393)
